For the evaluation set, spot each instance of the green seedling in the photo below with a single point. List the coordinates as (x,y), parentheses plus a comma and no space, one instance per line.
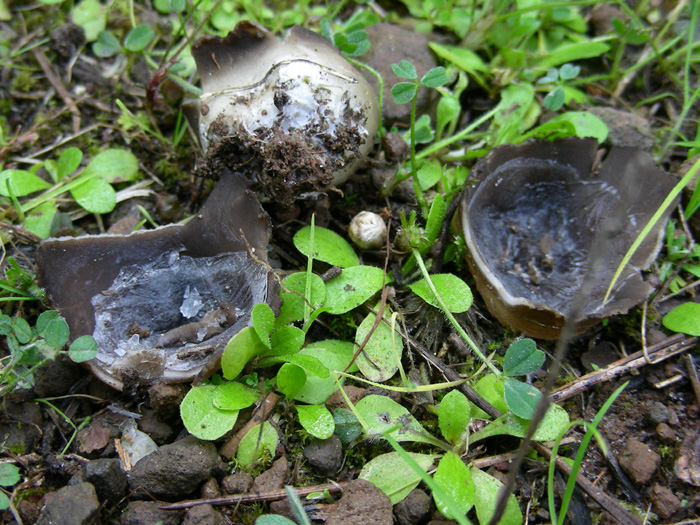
(557,77)
(31,348)
(9,476)
(19,284)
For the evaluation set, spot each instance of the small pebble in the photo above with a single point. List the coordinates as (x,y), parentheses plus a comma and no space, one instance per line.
(665,433)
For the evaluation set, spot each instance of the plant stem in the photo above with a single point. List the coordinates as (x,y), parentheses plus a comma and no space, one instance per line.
(451,317)
(414,172)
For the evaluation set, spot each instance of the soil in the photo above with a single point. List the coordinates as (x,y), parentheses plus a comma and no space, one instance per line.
(108,471)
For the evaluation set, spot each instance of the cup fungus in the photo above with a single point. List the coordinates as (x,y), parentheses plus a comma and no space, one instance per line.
(162,304)
(291,114)
(544,212)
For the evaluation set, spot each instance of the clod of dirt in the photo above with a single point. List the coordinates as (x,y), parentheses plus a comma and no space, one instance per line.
(273,478)
(75,504)
(625,129)
(108,478)
(544,212)
(414,508)
(638,461)
(362,502)
(291,114)
(664,502)
(325,456)
(148,512)
(162,304)
(237,483)
(175,471)
(203,514)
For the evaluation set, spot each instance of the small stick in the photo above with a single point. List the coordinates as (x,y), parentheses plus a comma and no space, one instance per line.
(660,351)
(273,495)
(259,415)
(693,376)
(59,87)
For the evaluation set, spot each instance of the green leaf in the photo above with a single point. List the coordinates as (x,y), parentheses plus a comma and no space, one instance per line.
(392,475)
(404,92)
(22,330)
(522,357)
(106,45)
(454,415)
(379,360)
(554,423)
(287,340)
(19,183)
(424,133)
(448,111)
(138,38)
(455,293)
(347,427)
(335,356)
(381,413)
(521,398)
(83,349)
(573,52)
(490,388)
(9,474)
(53,328)
(486,496)
(68,162)
(453,476)
(555,99)
(311,365)
(550,77)
(463,58)
(201,418)
(316,420)
(4,501)
(290,379)
(114,166)
(40,220)
(434,78)
(352,287)
(263,319)
(569,71)
(405,69)
(684,318)
(586,124)
(329,247)
(95,196)
(430,173)
(254,442)
(274,519)
(292,295)
(90,15)
(232,395)
(242,347)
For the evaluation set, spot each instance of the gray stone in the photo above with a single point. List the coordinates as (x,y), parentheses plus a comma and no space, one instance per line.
(658,413)
(273,478)
(626,129)
(203,515)
(237,483)
(325,456)
(414,508)
(147,513)
(71,505)
(175,471)
(108,478)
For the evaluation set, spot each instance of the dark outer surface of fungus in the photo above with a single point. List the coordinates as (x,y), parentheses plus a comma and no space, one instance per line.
(163,303)
(538,213)
(292,114)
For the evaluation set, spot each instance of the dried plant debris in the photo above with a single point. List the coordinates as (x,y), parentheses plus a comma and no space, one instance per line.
(162,304)
(291,114)
(542,213)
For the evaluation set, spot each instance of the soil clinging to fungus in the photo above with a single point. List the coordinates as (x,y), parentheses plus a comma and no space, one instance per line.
(291,114)
(542,213)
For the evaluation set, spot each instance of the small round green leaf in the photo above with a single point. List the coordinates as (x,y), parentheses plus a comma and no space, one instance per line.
(287,340)
(292,295)
(254,442)
(263,319)
(22,330)
(521,398)
(290,379)
(139,38)
(316,420)
(242,347)
(274,519)
(232,395)
(53,328)
(114,166)
(405,69)
(83,349)
(329,247)
(40,220)
(19,183)
(380,357)
(455,479)
(352,288)
(90,15)
(586,124)
(486,495)
(9,475)
(522,357)
(382,413)
(569,71)
(404,92)
(434,78)
(390,473)
(490,388)
(95,196)
(455,293)
(335,356)
(201,418)
(347,427)
(454,415)
(69,161)
(684,318)
(106,45)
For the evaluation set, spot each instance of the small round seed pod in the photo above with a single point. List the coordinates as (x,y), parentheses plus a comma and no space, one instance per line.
(367,230)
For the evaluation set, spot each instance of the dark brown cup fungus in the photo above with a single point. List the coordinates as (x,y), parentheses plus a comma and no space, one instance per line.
(162,304)
(538,214)
(291,114)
